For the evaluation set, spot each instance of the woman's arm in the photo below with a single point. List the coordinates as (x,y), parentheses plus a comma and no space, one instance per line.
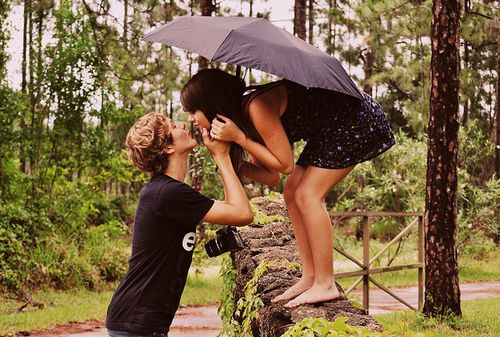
(277,153)
(235,209)
(259,173)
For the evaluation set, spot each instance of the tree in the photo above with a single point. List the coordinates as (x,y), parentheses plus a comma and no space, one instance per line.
(299,19)
(442,292)
(207,8)
(494,30)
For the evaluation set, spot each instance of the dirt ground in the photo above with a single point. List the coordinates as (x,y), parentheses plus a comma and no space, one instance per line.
(203,321)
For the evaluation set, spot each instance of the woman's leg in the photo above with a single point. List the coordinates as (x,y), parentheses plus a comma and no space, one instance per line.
(310,200)
(307,278)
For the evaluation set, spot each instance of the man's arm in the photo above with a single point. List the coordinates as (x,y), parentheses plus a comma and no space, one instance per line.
(235,209)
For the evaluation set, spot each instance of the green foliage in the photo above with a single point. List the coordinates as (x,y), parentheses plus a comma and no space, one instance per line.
(4,37)
(476,164)
(16,224)
(395,181)
(212,183)
(247,308)
(226,306)
(480,214)
(321,327)
(237,322)
(260,218)
(58,261)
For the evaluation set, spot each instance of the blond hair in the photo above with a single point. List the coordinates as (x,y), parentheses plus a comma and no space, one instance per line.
(147,142)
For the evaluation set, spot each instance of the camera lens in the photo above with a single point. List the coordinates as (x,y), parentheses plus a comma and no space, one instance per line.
(213,248)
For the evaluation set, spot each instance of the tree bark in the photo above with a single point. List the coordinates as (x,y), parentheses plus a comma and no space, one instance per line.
(497,110)
(310,19)
(125,24)
(275,242)
(465,116)
(369,59)
(22,122)
(442,293)
(207,8)
(299,20)
(330,41)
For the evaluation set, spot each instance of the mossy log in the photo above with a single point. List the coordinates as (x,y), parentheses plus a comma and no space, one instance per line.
(275,241)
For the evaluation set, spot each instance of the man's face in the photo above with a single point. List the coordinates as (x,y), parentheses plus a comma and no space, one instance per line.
(182,139)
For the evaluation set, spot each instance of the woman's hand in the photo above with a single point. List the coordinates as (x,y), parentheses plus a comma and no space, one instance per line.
(216,147)
(226,130)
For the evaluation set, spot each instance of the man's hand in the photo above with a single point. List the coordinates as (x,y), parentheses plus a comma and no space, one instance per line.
(216,147)
(226,130)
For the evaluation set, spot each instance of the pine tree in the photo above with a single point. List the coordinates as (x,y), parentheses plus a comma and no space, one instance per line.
(442,292)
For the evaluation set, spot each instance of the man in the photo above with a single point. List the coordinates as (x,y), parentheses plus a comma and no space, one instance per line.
(168,212)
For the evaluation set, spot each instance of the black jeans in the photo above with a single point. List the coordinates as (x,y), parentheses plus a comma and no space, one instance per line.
(114,333)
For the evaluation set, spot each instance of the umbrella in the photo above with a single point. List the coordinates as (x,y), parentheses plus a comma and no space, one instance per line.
(256,43)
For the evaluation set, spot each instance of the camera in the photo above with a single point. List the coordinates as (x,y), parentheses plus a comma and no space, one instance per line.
(227,239)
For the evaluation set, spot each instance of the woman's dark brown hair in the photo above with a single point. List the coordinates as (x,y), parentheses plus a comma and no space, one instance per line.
(214,91)
(147,142)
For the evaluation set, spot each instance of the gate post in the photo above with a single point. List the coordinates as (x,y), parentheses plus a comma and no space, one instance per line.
(366,262)
(420,262)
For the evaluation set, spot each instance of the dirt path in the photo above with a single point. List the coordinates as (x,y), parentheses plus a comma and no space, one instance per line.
(203,321)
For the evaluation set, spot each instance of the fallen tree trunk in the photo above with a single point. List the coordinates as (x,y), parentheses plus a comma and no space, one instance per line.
(274,243)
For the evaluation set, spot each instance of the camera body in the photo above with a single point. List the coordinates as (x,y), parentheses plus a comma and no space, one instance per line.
(227,239)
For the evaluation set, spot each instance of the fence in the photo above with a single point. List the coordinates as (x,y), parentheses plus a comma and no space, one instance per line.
(366,271)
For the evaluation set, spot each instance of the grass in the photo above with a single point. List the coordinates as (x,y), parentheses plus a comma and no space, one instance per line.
(63,307)
(202,289)
(480,319)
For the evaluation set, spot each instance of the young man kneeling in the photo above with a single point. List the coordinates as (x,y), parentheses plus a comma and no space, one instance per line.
(168,212)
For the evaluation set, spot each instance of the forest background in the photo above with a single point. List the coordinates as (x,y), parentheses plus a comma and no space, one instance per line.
(68,192)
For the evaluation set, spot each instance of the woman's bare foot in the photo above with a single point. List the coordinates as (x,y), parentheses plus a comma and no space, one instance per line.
(315,294)
(294,291)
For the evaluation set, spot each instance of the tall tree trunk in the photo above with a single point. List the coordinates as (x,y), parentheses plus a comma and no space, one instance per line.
(31,84)
(465,116)
(497,112)
(330,42)
(207,8)
(299,19)
(22,122)
(310,19)
(37,121)
(125,24)
(368,69)
(442,292)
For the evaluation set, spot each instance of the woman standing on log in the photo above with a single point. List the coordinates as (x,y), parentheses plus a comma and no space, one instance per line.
(341,131)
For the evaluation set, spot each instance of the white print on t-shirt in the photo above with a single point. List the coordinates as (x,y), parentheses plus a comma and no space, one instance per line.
(189,241)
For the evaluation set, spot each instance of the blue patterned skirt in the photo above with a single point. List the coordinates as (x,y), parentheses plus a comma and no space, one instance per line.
(340,131)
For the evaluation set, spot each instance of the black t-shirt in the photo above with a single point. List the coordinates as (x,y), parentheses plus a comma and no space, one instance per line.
(162,249)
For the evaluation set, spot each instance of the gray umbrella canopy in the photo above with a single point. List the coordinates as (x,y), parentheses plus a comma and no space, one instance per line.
(258,44)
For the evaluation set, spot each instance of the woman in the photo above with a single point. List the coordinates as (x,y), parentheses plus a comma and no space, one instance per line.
(341,131)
